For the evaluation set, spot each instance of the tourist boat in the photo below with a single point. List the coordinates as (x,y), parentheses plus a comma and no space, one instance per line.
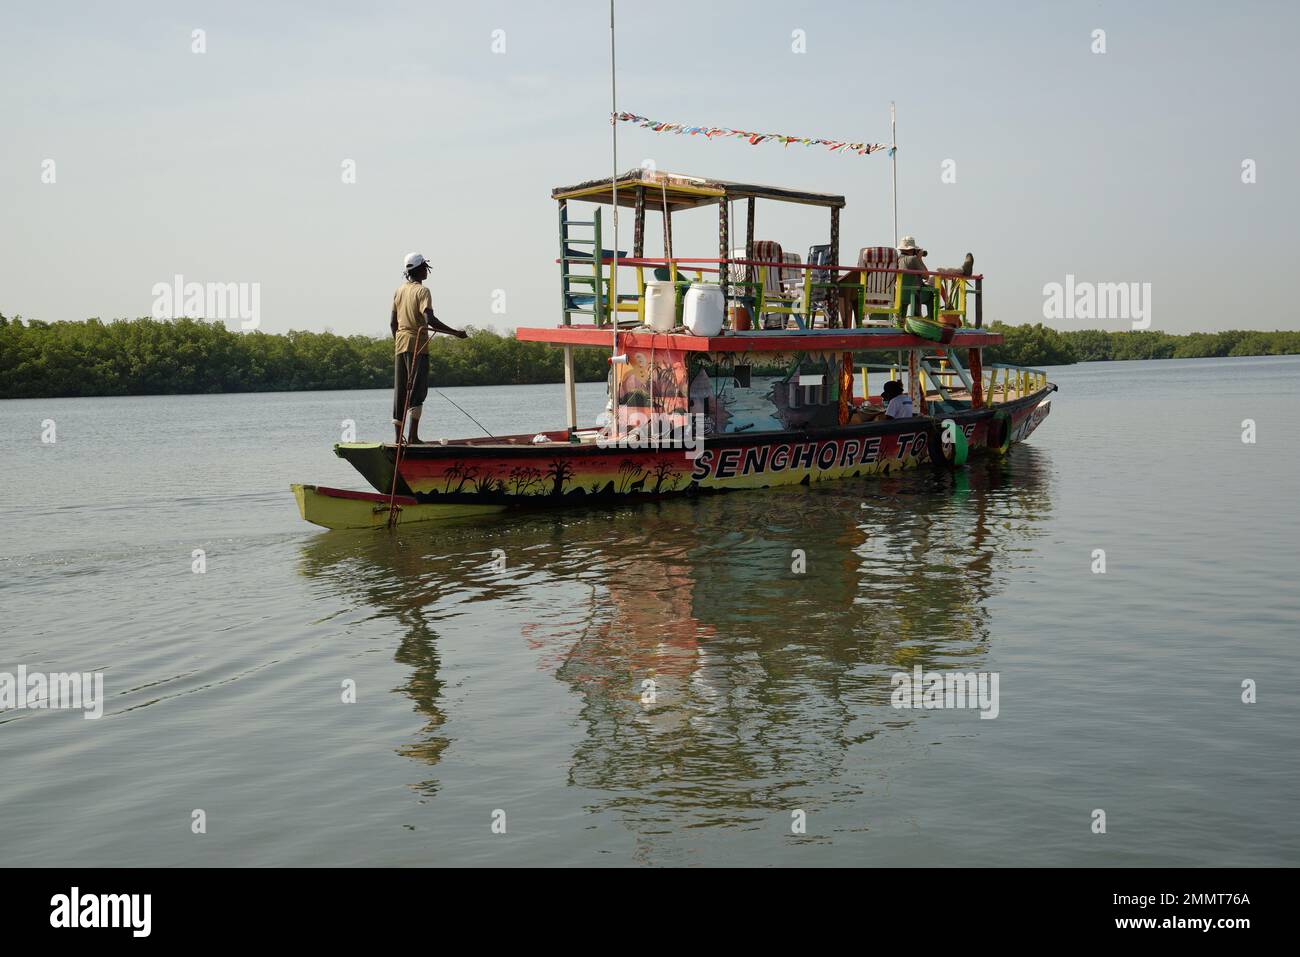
(732,372)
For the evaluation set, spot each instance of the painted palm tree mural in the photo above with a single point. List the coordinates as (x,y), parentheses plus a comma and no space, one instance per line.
(631,477)
(561,472)
(663,470)
(524,479)
(460,473)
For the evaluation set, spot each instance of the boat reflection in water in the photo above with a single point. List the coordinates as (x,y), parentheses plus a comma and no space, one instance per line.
(712,678)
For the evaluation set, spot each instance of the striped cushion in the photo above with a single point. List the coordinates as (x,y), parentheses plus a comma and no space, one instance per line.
(880,285)
(734,271)
(792,279)
(767,250)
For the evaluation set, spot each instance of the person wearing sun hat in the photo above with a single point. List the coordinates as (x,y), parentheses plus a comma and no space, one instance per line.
(917,290)
(411,322)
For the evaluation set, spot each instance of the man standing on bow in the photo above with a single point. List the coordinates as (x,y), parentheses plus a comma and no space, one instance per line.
(411,321)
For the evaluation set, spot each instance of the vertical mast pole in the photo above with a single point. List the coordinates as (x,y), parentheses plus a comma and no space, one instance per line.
(613,273)
(893,163)
(613,122)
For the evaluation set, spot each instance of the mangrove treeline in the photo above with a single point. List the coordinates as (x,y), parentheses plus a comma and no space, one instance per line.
(181,356)
(184,356)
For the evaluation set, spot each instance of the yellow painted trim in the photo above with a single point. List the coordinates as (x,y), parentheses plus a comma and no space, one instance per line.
(640,302)
(607,188)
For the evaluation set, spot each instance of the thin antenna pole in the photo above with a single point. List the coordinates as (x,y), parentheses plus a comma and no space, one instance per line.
(612,302)
(613,276)
(893,162)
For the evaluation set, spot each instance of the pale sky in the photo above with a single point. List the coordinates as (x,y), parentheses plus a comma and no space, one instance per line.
(226,166)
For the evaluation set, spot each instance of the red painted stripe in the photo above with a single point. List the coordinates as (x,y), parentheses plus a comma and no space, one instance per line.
(375,497)
(759,342)
(645,261)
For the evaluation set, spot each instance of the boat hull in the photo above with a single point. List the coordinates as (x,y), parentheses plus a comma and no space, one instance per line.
(341,508)
(434,481)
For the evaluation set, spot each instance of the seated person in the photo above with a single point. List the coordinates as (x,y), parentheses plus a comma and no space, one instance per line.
(917,291)
(864,411)
(898,404)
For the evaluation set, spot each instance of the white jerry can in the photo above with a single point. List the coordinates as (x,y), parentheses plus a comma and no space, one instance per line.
(660,305)
(702,313)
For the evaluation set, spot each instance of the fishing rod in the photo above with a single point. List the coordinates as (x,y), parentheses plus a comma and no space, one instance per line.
(467,415)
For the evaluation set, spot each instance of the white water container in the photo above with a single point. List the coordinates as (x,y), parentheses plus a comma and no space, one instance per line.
(702,313)
(660,305)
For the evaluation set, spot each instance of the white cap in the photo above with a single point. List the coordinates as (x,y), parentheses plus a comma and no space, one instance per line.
(413,261)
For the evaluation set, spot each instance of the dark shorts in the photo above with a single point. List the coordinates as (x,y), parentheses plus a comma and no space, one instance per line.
(402,380)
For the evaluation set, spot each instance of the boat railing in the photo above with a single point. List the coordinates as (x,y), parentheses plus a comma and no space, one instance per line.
(800,299)
(944,374)
(1011,381)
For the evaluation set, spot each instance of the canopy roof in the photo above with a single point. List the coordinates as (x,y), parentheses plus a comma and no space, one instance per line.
(684,192)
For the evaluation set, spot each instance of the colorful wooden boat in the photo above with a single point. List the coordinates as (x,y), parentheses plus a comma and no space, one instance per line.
(699,414)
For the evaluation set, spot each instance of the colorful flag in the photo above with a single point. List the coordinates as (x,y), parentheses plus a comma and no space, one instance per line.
(835,146)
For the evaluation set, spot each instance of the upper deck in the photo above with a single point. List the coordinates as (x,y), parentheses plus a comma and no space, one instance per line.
(793,340)
(676,191)
(772,299)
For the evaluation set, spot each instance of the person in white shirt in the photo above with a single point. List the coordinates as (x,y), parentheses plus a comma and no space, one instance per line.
(898,404)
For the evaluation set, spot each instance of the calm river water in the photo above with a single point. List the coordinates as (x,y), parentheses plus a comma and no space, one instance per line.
(484,695)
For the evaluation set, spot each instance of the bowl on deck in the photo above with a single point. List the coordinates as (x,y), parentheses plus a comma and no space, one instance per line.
(866,413)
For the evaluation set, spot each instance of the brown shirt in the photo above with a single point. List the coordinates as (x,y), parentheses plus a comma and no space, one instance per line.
(917,263)
(409,302)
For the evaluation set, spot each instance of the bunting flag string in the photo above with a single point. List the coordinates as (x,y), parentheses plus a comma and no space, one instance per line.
(754,139)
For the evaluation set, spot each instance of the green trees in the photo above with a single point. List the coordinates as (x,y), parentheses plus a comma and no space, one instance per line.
(1038,345)
(149,356)
(1089,345)
(1030,346)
